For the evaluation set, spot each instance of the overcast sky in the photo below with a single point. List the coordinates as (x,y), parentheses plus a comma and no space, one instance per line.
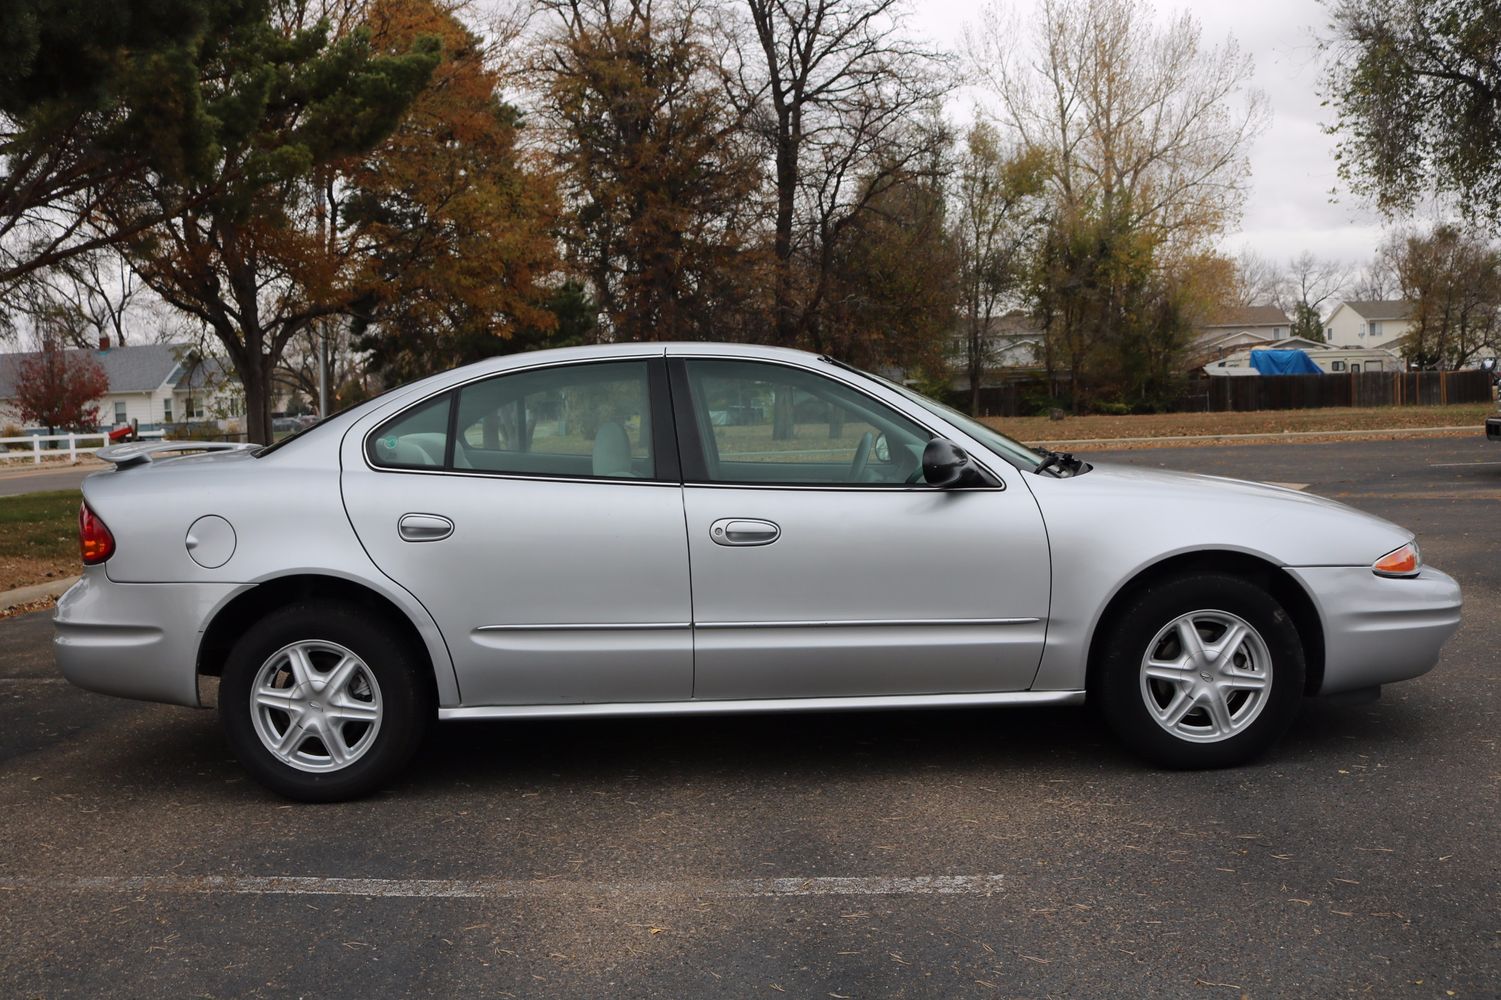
(1289,209)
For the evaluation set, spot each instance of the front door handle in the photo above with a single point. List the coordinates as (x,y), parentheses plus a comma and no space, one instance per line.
(743,531)
(424,527)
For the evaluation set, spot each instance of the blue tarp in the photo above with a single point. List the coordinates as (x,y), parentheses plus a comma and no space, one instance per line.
(1288,362)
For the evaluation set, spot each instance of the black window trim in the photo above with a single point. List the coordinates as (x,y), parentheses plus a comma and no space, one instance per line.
(665,459)
(695,470)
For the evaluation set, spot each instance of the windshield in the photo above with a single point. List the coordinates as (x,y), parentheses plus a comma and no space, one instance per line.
(1012,451)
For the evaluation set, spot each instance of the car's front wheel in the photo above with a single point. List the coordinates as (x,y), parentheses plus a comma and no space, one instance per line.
(323,702)
(1200,671)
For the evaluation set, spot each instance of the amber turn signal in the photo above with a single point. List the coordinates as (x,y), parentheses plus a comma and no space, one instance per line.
(1399,562)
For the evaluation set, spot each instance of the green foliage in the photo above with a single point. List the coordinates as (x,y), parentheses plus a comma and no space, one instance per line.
(1307,323)
(1453,279)
(1416,90)
(893,291)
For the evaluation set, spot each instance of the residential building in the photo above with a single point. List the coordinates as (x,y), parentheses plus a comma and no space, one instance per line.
(1240,326)
(1379,325)
(149,385)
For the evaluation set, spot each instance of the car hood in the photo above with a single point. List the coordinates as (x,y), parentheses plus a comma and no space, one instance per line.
(1175,511)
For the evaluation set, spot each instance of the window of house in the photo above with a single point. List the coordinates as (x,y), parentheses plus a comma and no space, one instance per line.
(195,407)
(119,411)
(1337,366)
(1355,366)
(167,410)
(1375,329)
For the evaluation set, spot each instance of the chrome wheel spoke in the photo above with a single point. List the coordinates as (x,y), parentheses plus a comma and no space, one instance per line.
(1188,635)
(301,667)
(333,742)
(279,698)
(1224,649)
(339,678)
(1183,702)
(1237,679)
(290,740)
(349,710)
(1219,712)
(1173,673)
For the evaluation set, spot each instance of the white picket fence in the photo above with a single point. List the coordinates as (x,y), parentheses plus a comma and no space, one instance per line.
(36,452)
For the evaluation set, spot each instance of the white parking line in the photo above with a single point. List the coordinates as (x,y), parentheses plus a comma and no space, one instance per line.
(403,888)
(1457,465)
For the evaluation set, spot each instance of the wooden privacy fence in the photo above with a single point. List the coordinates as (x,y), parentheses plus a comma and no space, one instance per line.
(1272,392)
(1297,392)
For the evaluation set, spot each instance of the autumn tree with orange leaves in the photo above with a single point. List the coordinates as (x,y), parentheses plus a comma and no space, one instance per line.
(456,219)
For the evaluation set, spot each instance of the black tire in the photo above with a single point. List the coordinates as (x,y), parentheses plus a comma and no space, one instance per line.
(399,688)
(1128,699)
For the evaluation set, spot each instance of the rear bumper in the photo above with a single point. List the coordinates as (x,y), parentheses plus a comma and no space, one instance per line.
(135,640)
(1493,428)
(1379,630)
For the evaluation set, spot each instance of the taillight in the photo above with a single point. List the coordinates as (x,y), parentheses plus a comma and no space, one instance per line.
(95,543)
(1405,561)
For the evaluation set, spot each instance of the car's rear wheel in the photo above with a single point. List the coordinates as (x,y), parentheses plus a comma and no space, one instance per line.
(1200,671)
(323,702)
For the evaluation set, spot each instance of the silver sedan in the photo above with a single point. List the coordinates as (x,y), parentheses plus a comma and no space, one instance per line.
(650,529)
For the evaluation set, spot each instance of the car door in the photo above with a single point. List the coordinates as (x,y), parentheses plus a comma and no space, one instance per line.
(537,514)
(822,564)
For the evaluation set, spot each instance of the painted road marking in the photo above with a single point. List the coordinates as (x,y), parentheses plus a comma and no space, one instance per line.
(421,888)
(1458,465)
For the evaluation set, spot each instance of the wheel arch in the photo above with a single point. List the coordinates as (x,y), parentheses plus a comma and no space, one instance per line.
(1278,582)
(249,606)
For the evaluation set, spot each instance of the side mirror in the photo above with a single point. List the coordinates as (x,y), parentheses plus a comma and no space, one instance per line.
(946,466)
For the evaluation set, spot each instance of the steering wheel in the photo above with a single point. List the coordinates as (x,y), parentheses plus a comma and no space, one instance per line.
(862,456)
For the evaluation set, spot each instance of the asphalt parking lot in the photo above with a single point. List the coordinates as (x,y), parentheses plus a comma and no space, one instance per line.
(980,853)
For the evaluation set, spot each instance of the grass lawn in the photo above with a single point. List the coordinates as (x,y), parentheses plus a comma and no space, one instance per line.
(1376,418)
(38,538)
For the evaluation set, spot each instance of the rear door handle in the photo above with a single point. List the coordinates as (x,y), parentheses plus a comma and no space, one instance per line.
(743,531)
(424,527)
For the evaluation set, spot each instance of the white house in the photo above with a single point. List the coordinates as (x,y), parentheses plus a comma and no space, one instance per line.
(149,384)
(1369,324)
(1241,326)
(1012,344)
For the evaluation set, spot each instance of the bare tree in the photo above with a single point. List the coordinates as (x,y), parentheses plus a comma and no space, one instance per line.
(1377,281)
(1138,118)
(101,292)
(1308,284)
(1258,280)
(1147,132)
(839,93)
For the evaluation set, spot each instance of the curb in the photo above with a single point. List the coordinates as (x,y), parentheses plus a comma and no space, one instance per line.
(1265,435)
(36,592)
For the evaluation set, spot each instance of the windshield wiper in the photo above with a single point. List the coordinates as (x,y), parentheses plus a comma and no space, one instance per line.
(1065,463)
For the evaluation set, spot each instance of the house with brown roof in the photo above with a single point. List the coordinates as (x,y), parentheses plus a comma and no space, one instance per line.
(1367,324)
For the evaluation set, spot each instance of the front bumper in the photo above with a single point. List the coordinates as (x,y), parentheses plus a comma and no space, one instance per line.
(135,640)
(1378,630)
(1493,428)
